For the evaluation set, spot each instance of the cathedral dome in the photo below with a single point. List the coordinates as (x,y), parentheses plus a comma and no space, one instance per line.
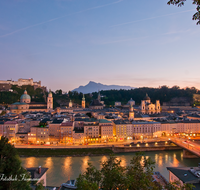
(25,96)
(131,102)
(146,97)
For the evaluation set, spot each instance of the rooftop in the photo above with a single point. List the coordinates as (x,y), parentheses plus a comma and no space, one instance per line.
(104,121)
(35,172)
(186,174)
(67,124)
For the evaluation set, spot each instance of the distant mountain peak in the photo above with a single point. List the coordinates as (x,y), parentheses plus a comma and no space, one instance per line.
(95,87)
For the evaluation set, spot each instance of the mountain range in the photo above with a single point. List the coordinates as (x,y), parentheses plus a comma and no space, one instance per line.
(95,87)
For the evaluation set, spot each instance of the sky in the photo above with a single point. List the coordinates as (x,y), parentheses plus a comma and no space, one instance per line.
(67,43)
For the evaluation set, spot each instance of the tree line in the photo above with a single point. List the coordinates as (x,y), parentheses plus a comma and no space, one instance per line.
(163,93)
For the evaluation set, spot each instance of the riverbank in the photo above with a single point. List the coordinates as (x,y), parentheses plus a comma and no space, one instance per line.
(43,152)
(98,151)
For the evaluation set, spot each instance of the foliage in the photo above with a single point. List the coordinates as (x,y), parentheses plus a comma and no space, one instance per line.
(39,186)
(177,186)
(37,95)
(114,176)
(10,166)
(136,176)
(62,151)
(3,112)
(163,93)
(59,92)
(180,3)
(90,180)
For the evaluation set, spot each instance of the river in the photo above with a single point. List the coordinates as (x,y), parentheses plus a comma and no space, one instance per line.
(62,168)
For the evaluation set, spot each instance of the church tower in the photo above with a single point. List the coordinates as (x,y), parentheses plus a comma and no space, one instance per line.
(143,106)
(50,101)
(99,97)
(131,113)
(70,104)
(83,102)
(157,106)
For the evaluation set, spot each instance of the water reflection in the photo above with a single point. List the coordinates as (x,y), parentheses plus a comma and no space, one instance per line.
(156,158)
(181,155)
(31,162)
(49,162)
(123,161)
(160,161)
(175,163)
(103,159)
(84,165)
(60,168)
(166,157)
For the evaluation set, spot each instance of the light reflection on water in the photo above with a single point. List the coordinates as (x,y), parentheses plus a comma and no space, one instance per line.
(63,168)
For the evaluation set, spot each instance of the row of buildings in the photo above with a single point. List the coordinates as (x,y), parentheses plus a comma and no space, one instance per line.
(39,123)
(92,130)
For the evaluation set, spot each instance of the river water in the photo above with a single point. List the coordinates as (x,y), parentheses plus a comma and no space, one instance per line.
(62,168)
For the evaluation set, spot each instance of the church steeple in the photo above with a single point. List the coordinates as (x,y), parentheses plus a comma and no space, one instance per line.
(50,101)
(131,113)
(70,104)
(99,96)
(83,102)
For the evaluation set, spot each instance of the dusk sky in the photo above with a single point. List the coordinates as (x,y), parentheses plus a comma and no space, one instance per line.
(67,43)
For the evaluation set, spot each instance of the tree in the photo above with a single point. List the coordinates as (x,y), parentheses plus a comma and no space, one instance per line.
(59,92)
(136,176)
(3,112)
(10,167)
(90,180)
(180,3)
(39,186)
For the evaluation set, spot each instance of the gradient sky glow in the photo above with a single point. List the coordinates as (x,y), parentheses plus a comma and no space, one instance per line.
(67,43)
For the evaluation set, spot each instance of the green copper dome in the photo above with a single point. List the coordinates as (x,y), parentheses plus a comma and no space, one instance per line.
(25,96)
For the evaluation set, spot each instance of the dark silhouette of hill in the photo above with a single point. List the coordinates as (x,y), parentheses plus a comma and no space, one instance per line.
(95,87)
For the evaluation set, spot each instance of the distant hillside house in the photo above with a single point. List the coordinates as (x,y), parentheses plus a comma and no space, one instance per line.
(25,104)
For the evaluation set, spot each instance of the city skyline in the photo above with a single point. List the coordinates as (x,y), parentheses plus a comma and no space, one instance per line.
(66,43)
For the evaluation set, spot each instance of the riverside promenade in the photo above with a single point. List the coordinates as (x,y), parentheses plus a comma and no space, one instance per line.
(95,145)
(101,149)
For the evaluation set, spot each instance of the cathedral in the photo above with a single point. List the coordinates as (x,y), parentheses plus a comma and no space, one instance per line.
(25,104)
(148,108)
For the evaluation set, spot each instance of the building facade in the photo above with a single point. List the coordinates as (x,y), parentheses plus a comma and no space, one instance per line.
(25,104)
(149,108)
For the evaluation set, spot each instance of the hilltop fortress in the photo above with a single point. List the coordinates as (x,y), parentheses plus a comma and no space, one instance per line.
(5,85)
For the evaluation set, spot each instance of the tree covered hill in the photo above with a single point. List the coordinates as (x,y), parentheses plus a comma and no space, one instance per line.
(164,94)
(37,95)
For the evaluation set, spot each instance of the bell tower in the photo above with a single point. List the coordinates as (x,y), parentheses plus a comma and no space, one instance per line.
(131,113)
(83,102)
(50,101)
(157,106)
(143,106)
(70,104)
(99,97)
